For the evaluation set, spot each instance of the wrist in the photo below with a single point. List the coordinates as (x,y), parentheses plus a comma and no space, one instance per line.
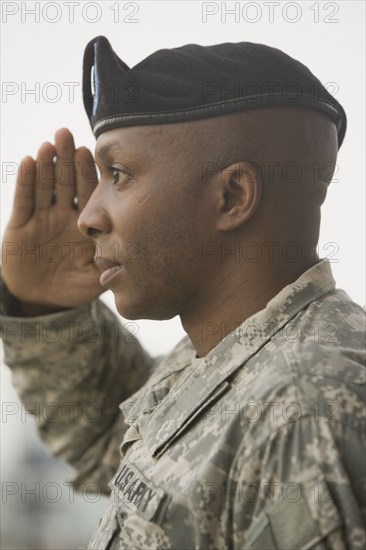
(30,309)
(15,307)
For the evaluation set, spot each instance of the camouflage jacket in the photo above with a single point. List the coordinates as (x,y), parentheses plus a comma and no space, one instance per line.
(260,444)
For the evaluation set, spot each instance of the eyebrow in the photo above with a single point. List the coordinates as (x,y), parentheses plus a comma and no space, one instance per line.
(104,149)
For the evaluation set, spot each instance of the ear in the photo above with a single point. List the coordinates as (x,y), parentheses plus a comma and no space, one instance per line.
(240,194)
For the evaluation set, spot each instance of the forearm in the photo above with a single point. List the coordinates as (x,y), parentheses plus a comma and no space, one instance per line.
(73,368)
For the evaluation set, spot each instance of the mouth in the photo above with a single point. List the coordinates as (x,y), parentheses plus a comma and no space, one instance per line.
(107,267)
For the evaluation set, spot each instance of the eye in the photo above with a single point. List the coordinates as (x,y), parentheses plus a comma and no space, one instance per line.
(119,175)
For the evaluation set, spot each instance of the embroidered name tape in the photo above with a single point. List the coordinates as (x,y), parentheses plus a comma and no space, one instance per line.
(133,490)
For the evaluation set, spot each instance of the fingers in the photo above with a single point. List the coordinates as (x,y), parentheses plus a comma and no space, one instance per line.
(65,170)
(39,183)
(86,176)
(23,205)
(45,178)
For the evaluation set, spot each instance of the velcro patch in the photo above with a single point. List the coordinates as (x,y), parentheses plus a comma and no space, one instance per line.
(301,517)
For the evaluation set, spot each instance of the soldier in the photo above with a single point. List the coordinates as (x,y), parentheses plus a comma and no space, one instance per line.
(250,433)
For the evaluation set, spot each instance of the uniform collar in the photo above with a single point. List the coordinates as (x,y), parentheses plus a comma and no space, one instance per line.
(203,383)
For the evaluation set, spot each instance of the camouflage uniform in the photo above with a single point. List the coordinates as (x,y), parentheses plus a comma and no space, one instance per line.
(260,444)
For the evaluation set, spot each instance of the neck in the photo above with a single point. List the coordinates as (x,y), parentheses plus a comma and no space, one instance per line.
(233,296)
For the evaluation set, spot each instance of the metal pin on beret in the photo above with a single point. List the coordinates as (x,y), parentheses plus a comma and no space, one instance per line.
(193,82)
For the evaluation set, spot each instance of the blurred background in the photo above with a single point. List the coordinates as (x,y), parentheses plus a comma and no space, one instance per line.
(42,46)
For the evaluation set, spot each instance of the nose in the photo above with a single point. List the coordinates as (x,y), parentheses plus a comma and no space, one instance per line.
(94,219)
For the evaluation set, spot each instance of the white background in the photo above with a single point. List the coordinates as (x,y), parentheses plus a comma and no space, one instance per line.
(328,37)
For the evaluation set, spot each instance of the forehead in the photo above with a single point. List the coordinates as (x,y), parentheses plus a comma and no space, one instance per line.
(133,140)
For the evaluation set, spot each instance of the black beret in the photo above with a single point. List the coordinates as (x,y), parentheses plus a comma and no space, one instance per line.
(195,82)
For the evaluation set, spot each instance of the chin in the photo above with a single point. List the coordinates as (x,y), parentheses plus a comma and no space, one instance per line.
(143,309)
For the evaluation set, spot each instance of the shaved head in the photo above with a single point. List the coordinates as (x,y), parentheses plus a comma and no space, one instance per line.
(293,149)
(284,135)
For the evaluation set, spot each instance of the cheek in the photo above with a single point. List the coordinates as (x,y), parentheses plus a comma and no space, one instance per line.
(164,222)
(130,211)
(142,232)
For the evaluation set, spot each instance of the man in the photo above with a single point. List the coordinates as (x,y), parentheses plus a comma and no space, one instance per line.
(249,434)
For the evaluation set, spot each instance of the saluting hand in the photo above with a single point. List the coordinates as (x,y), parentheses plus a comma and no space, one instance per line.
(46,263)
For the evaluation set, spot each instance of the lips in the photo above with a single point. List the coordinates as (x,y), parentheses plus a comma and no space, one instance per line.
(108,268)
(105,263)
